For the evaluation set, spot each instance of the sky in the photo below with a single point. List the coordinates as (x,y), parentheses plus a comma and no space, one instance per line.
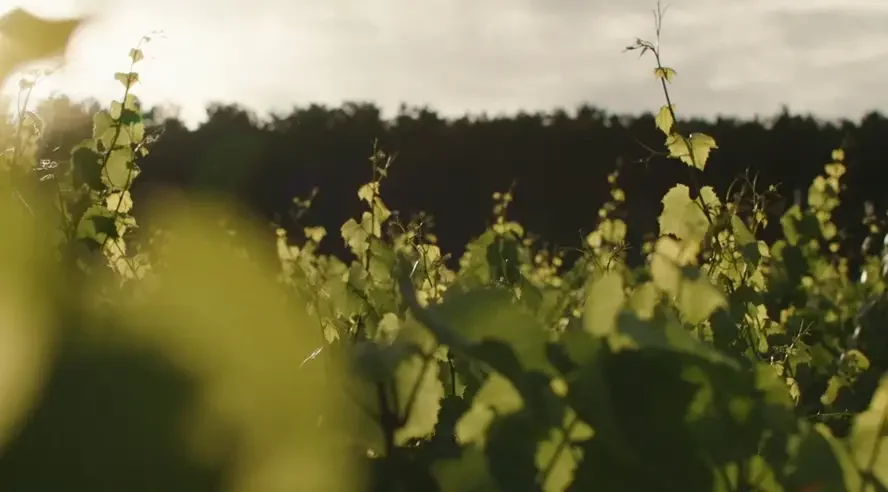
(732,57)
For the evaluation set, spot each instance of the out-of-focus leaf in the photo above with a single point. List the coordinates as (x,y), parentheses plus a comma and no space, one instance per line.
(26,329)
(221,318)
(27,38)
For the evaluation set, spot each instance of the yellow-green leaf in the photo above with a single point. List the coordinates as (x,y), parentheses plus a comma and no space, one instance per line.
(119,170)
(664,119)
(136,55)
(664,73)
(127,79)
(694,295)
(28,38)
(868,442)
(603,304)
(684,217)
(120,202)
(693,151)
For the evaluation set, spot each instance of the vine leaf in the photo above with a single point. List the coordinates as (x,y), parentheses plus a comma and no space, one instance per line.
(822,463)
(468,472)
(695,296)
(684,217)
(28,38)
(493,315)
(127,79)
(26,330)
(664,119)
(693,151)
(416,379)
(558,456)
(664,73)
(119,168)
(869,446)
(497,397)
(253,385)
(603,305)
(355,236)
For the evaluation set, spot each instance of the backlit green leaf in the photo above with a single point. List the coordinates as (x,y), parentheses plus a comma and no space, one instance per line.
(603,304)
(693,151)
(664,73)
(664,119)
(684,217)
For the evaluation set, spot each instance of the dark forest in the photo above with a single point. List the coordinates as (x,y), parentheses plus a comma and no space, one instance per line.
(557,162)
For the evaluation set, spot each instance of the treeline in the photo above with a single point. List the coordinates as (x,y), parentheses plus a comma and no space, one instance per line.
(558,161)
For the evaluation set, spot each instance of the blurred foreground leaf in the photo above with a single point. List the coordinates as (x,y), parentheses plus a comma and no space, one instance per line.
(190,383)
(221,317)
(27,38)
(25,321)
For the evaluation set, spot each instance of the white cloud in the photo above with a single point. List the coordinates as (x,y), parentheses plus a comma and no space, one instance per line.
(733,57)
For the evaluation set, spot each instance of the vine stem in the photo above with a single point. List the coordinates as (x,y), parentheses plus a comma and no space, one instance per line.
(658,16)
(107,156)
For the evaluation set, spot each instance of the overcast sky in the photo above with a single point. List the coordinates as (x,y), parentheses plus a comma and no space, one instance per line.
(737,57)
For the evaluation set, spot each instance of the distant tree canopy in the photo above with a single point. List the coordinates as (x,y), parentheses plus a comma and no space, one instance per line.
(449,168)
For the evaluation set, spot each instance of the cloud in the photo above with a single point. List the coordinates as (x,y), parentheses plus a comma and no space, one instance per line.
(734,57)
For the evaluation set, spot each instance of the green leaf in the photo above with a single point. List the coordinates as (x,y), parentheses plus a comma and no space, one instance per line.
(693,151)
(315,234)
(558,456)
(741,233)
(382,264)
(30,322)
(869,436)
(603,304)
(664,119)
(822,463)
(119,169)
(98,225)
(136,55)
(133,110)
(368,191)
(664,73)
(134,131)
(475,271)
(127,79)
(511,450)
(121,202)
(128,112)
(28,38)
(798,226)
(497,397)
(401,358)
(469,472)
(102,124)
(493,314)
(504,258)
(667,335)
(286,416)
(418,384)
(684,217)
(589,394)
(644,300)
(652,420)
(694,295)
(356,238)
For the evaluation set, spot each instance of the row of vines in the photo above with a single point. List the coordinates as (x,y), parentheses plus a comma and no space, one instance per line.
(724,363)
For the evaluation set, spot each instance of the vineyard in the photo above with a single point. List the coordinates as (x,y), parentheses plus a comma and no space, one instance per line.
(196,356)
